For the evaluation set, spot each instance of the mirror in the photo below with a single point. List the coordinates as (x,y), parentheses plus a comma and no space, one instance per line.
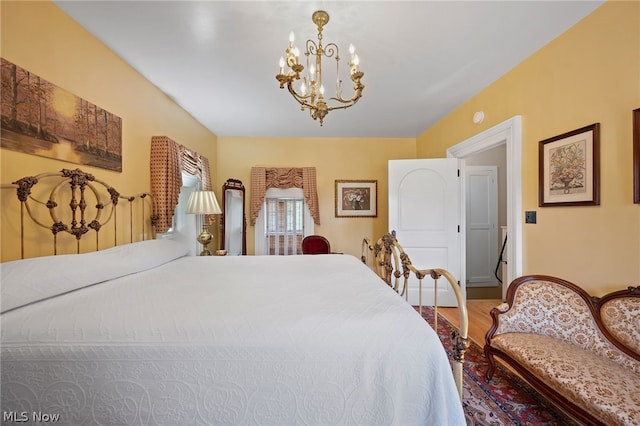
(233,222)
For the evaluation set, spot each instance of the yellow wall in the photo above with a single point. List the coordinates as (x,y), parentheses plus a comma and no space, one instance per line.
(42,39)
(589,74)
(334,158)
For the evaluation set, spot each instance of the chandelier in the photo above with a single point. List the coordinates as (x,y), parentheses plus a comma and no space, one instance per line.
(311,92)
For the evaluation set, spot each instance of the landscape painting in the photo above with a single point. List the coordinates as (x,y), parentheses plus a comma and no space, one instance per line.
(43,119)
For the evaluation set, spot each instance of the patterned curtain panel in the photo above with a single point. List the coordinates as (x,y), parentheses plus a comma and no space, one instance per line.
(258,187)
(206,184)
(310,192)
(206,174)
(168,160)
(166,179)
(263,178)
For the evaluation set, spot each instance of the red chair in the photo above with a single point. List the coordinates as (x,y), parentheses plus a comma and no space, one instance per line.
(315,244)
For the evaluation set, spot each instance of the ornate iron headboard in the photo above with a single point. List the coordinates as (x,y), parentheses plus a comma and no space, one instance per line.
(78,184)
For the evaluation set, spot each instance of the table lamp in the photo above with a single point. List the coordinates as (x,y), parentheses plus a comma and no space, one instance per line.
(203,203)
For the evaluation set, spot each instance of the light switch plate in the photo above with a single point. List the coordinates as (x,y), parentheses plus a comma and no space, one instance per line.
(530,217)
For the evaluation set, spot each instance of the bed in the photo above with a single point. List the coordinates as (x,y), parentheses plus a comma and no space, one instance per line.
(143,334)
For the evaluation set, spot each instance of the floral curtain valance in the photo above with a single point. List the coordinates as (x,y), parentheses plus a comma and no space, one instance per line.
(168,160)
(263,178)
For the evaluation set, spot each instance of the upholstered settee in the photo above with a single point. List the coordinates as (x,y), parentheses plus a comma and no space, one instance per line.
(581,352)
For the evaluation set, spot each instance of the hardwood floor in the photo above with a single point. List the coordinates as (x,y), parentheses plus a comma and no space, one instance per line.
(479,318)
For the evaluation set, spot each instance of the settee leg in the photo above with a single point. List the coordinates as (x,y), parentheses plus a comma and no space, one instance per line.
(492,364)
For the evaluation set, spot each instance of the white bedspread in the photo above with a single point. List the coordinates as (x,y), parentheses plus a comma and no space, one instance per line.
(316,340)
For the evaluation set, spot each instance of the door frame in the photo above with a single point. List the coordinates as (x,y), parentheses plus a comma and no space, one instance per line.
(509,133)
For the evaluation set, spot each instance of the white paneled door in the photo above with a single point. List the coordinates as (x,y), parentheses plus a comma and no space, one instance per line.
(481,188)
(424,212)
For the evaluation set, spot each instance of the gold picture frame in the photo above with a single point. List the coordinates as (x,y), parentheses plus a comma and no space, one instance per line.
(569,168)
(636,156)
(356,198)
(43,119)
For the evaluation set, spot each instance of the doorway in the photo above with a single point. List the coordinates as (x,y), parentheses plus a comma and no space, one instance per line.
(485,211)
(509,135)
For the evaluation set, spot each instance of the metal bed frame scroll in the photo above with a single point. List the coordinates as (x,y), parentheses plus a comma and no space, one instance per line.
(389,261)
(78,185)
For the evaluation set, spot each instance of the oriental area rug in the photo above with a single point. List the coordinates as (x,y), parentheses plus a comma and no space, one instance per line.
(506,400)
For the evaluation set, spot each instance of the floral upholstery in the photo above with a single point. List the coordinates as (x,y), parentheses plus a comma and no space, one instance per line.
(622,319)
(550,328)
(600,386)
(537,309)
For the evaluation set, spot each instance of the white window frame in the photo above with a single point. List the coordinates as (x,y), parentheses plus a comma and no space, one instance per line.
(185,227)
(261,226)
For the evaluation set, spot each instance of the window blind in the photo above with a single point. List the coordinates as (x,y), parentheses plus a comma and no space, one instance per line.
(284,225)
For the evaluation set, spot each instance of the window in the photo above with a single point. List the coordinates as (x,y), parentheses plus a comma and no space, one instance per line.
(283,222)
(185,226)
(285,225)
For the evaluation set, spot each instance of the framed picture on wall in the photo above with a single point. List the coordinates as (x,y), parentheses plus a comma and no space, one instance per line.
(356,198)
(569,168)
(43,119)
(636,156)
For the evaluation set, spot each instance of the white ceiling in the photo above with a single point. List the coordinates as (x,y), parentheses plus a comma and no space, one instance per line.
(421,59)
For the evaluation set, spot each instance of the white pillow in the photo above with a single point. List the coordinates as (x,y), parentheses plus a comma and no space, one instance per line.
(30,280)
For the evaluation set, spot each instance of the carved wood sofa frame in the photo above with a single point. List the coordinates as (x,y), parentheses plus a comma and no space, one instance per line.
(74,185)
(569,319)
(390,262)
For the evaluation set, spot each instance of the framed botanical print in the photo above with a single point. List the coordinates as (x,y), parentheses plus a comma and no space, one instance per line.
(356,198)
(569,168)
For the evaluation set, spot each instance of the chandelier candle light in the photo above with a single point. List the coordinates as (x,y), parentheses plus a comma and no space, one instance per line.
(311,92)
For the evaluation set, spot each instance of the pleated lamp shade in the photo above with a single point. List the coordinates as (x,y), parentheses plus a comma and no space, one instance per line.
(203,202)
